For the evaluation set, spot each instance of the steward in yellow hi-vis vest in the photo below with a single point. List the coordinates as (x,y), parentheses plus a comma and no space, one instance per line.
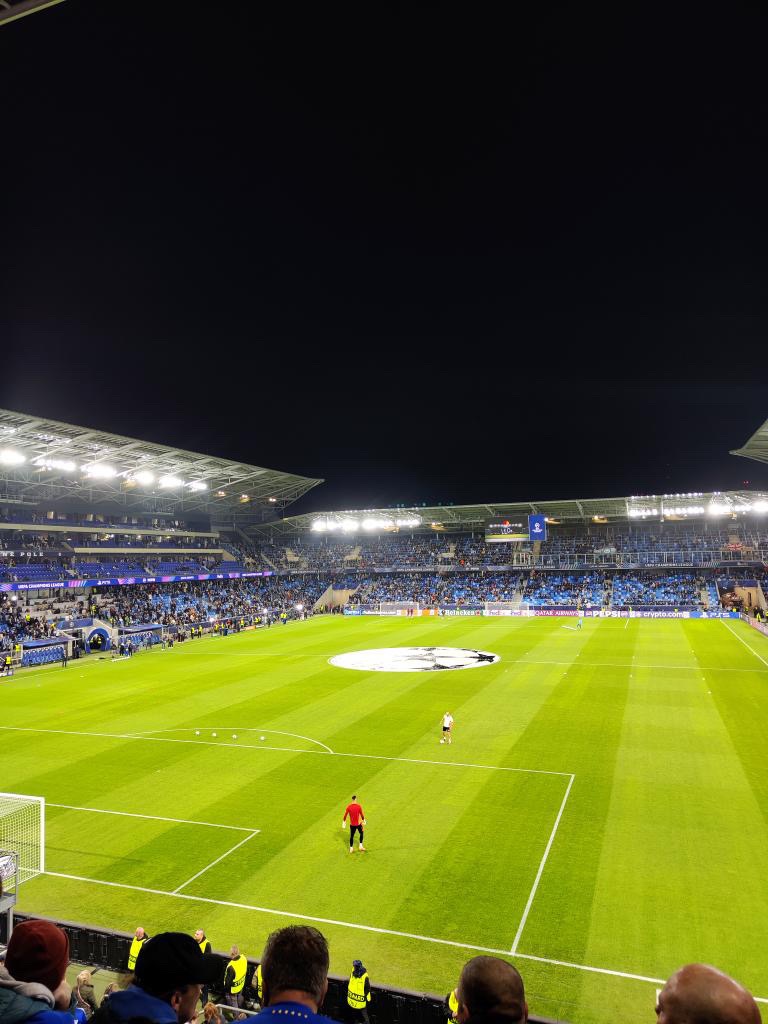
(257,984)
(452,1006)
(138,941)
(234,978)
(359,991)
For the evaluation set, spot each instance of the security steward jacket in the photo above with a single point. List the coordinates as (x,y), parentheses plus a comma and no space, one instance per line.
(134,951)
(234,975)
(358,991)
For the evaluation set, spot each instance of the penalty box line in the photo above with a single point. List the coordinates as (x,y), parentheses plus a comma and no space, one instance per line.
(178,821)
(368,928)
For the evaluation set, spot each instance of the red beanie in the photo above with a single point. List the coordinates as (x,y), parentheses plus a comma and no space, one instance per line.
(38,951)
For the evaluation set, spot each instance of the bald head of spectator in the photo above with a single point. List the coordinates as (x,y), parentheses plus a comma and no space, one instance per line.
(491,990)
(700,994)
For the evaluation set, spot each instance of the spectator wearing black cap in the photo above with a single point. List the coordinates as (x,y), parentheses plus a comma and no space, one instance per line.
(358,993)
(295,976)
(170,973)
(33,989)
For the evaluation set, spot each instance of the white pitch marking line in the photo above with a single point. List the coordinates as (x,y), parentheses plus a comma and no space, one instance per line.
(291,750)
(366,928)
(541,867)
(154,817)
(633,664)
(626,624)
(224,728)
(743,641)
(213,863)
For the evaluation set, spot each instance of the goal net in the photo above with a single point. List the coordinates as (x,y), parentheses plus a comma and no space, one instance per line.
(22,831)
(398,608)
(501,607)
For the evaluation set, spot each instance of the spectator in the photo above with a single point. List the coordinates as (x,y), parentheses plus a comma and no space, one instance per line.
(699,994)
(490,991)
(111,987)
(170,973)
(211,1015)
(84,994)
(295,974)
(33,987)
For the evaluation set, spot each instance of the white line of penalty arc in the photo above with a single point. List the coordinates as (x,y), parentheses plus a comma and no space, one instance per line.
(370,928)
(290,750)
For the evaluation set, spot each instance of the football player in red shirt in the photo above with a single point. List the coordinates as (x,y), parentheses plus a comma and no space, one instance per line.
(356,822)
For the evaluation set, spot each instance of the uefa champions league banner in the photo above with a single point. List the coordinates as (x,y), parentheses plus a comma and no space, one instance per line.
(126,581)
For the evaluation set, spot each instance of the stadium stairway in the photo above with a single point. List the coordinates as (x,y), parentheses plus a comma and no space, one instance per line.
(334,598)
(293,559)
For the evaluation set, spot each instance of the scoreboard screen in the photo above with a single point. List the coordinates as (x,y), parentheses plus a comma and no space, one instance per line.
(530,528)
(505,530)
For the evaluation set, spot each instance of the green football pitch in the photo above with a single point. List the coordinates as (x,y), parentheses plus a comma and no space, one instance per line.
(600,818)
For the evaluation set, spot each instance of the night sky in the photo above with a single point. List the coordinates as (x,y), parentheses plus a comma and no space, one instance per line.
(427,256)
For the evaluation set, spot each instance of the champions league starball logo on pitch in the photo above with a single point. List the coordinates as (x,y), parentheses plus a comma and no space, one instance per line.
(414,659)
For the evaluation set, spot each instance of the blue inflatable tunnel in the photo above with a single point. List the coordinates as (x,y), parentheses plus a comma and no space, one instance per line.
(99,631)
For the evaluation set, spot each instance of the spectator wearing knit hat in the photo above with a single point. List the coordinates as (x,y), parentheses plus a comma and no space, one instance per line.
(33,989)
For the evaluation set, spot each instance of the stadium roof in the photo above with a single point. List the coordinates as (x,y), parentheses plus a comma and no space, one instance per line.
(45,460)
(757,445)
(12,9)
(454,518)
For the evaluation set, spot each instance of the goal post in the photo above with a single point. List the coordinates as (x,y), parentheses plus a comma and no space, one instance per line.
(501,607)
(22,831)
(398,608)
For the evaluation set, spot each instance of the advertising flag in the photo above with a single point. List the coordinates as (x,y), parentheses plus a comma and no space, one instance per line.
(537,528)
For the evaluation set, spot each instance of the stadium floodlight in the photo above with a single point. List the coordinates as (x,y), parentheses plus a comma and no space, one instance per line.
(197,485)
(65,465)
(409,521)
(348,525)
(144,477)
(320,525)
(718,509)
(99,471)
(760,506)
(370,524)
(9,457)
(169,480)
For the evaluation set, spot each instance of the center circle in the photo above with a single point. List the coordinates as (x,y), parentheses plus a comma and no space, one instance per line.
(414,659)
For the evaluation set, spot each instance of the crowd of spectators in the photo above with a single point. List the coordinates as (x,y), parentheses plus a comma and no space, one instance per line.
(669,589)
(171,974)
(551,588)
(188,603)
(18,623)
(567,547)
(437,588)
